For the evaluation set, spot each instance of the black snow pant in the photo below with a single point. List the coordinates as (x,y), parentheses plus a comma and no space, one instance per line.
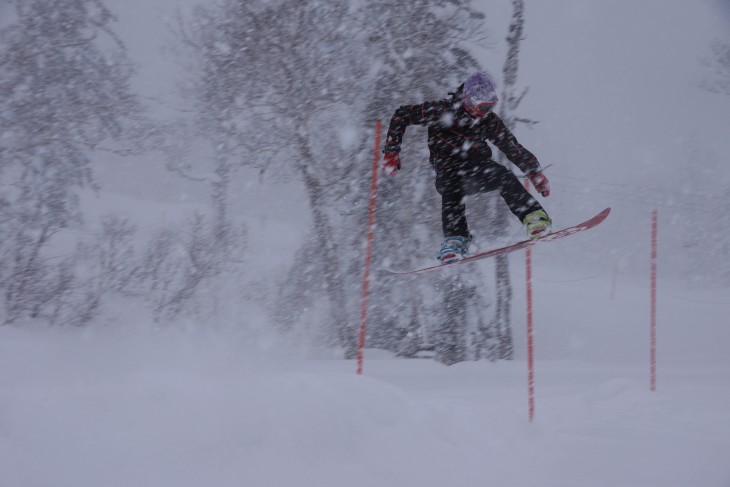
(456,179)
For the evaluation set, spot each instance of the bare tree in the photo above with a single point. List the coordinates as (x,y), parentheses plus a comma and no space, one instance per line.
(277,81)
(64,90)
(510,102)
(422,54)
(280,81)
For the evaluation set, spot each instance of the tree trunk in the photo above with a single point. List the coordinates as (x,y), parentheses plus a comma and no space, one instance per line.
(450,344)
(327,255)
(509,103)
(503,313)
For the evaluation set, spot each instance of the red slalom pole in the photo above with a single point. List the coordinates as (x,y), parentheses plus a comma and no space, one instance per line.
(652,325)
(530,344)
(368,249)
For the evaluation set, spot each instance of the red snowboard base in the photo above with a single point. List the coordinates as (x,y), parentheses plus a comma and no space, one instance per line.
(519,245)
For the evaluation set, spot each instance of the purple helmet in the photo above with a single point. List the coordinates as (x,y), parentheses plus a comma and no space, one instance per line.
(480,94)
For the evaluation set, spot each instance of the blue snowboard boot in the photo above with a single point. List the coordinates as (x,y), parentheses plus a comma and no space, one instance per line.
(453,249)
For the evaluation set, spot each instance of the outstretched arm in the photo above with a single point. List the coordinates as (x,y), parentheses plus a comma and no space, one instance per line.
(406,115)
(505,141)
(501,136)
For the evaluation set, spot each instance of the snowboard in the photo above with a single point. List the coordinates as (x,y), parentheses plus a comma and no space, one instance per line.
(588,224)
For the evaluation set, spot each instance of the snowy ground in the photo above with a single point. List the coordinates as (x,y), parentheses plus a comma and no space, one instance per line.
(103,408)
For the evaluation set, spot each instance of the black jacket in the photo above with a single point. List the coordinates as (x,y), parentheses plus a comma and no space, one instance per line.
(453,136)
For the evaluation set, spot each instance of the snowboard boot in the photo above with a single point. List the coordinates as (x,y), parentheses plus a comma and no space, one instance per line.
(453,249)
(537,224)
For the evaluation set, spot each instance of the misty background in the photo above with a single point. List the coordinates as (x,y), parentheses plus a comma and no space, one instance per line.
(204,162)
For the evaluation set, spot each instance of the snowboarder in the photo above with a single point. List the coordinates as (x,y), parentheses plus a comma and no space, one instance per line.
(458,129)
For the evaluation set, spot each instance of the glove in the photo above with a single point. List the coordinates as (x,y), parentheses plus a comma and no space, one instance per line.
(391,164)
(540,182)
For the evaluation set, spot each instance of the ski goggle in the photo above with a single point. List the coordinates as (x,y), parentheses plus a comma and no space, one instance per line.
(479,108)
(484,107)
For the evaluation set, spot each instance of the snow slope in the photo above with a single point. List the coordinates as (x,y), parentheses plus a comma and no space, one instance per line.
(114,408)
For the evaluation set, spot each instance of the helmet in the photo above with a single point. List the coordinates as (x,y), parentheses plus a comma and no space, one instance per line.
(480,94)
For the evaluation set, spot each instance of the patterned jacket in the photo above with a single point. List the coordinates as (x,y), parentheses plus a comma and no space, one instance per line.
(453,136)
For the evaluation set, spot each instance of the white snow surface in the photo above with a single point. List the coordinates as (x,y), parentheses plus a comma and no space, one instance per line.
(106,407)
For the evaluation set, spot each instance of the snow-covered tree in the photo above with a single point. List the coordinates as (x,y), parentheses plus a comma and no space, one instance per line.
(422,53)
(279,82)
(284,86)
(64,90)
